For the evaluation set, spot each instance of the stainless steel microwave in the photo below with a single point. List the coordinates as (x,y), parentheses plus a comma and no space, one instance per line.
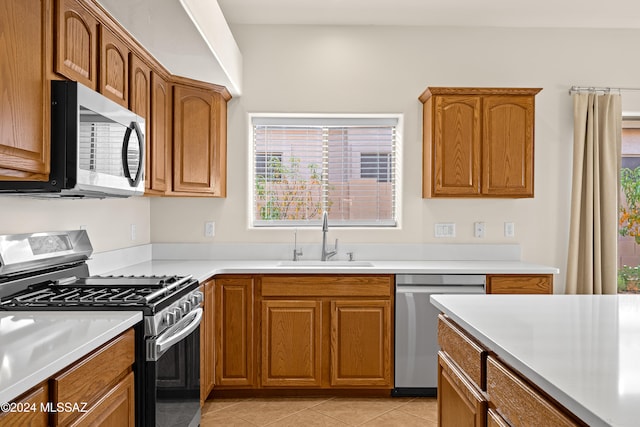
(97,148)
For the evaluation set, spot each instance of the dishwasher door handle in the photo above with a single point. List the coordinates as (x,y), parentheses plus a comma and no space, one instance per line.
(437,289)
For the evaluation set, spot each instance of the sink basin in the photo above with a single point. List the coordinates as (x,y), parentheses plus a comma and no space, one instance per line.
(325,264)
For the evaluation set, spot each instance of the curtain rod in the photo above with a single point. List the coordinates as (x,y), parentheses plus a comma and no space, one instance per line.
(599,89)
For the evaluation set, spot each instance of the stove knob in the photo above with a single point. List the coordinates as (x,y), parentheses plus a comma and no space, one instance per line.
(169,318)
(196,299)
(178,313)
(186,306)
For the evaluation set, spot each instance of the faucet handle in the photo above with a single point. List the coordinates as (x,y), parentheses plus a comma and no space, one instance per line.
(350,255)
(335,246)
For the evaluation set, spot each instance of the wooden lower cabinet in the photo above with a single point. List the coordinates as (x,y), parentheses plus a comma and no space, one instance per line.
(518,402)
(234,331)
(207,341)
(104,381)
(33,400)
(291,343)
(308,332)
(97,390)
(361,343)
(460,403)
(326,331)
(501,398)
(520,283)
(115,408)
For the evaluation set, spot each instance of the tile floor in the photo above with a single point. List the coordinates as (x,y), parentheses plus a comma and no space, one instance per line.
(320,411)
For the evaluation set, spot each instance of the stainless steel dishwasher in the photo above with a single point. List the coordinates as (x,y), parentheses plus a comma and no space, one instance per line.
(416,328)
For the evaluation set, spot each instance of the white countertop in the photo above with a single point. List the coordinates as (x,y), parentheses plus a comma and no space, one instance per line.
(36,345)
(582,350)
(204,269)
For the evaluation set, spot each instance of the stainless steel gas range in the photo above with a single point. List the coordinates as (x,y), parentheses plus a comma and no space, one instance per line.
(48,271)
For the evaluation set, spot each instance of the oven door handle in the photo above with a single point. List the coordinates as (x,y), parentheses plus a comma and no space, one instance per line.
(176,334)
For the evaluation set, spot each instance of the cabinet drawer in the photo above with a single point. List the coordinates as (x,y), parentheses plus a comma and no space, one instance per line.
(460,403)
(519,403)
(35,416)
(468,355)
(519,284)
(115,408)
(87,379)
(327,286)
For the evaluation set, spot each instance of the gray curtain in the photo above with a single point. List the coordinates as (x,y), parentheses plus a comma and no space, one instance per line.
(593,235)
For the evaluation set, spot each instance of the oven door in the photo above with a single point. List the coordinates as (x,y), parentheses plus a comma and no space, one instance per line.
(172,394)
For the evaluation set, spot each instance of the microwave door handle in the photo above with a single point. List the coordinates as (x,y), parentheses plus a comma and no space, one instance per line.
(133,182)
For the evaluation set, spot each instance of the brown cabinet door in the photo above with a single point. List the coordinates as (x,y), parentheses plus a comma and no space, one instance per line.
(140,102)
(456,145)
(159,137)
(76,43)
(114,67)
(291,343)
(235,355)
(507,152)
(115,408)
(207,342)
(361,343)
(460,403)
(25,89)
(34,400)
(196,140)
(139,87)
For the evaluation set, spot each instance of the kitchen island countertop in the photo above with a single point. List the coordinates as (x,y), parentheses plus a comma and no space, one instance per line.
(582,350)
(35,345)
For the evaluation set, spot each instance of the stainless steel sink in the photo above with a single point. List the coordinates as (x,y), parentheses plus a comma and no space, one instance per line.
(325,264)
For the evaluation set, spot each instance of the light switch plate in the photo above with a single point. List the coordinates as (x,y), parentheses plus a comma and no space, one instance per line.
(445,229)
(209,229)
(509,229)
(478,229)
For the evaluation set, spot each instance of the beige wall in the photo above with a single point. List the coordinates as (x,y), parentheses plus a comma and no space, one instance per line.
(379,70)
(384,70)
(108,222)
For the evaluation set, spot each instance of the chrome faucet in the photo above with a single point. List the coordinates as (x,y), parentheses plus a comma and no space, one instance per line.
(325,227)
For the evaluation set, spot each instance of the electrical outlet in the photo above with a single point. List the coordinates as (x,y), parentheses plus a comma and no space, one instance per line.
(209,229)
(509,229)
(133,232)
(443,229)
(478,229)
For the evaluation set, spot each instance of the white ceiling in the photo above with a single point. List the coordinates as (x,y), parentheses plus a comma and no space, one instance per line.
(484,13)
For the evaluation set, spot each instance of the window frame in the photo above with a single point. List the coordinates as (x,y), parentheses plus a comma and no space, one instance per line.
(317,119)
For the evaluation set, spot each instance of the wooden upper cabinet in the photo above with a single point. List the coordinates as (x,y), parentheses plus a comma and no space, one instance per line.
(140,87)
(25,89)
(199,140)
(507,152)
(76,43)
(457,143)
(114,67)
(478,142)
(158,166)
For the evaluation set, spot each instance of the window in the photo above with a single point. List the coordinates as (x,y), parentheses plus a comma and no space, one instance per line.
(629,220)
(304,165)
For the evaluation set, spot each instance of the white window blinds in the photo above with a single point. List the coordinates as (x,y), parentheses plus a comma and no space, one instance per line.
(303,166)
